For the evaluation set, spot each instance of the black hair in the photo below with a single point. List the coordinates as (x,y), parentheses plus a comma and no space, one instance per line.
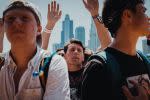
(73,41)
(113,10)
(59,49)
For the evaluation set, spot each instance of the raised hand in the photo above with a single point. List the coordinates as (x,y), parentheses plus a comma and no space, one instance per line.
(92,6)
(53,14)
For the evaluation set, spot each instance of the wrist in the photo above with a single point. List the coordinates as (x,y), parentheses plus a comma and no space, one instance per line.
(98,17)
(49,26)
(48,31)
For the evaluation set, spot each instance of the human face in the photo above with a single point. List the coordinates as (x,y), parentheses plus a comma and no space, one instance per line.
(141,22)
(20,26)
(74,54)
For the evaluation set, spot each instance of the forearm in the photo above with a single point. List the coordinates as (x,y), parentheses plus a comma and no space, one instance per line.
(103,34)
(46,36)
(45,40)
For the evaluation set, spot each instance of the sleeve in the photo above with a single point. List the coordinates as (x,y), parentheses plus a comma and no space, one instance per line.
(94,84)
(57,87)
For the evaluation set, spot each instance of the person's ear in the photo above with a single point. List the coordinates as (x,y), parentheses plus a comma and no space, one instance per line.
(39,29)
(127,16)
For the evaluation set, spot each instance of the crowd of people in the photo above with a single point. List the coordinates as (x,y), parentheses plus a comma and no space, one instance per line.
(30,72)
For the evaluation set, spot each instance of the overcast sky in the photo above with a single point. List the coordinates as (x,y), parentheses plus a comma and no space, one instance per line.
(74,8)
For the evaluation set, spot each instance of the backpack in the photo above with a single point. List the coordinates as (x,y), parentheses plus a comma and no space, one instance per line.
(44,66)
(113,69)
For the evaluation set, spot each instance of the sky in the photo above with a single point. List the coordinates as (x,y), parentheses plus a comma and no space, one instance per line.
(76,11)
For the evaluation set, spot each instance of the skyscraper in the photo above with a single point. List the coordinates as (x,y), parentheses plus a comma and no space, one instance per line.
(93,42)
(66,33)
(67,30)
(80,34)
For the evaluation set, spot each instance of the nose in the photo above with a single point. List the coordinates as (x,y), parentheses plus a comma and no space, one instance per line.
(76,51)
(17,22)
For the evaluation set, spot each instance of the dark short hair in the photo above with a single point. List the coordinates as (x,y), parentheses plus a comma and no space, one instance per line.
(59,49)
(23,4)
(113,10)
(73,41)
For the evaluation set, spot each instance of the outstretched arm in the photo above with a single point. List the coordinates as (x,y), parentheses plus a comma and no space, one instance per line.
(53,15)
(103,34)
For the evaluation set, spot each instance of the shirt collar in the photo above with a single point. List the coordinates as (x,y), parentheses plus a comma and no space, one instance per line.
(33,62)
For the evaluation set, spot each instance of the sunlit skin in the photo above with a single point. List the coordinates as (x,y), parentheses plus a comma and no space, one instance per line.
(134,25)
(74,57)
(53,15)
(21,30)
(21,23)
(104,36)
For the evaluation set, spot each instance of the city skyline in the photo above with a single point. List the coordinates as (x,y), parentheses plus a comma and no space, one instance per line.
(76,11)
(79,34)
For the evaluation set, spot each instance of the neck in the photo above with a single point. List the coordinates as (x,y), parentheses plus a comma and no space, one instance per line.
(72,67)
(22,55)
(125,42)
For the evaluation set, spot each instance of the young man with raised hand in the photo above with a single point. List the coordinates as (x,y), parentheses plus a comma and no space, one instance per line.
(116,79)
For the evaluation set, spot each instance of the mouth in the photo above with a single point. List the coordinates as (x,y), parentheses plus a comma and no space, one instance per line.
(17,31)
(75,58)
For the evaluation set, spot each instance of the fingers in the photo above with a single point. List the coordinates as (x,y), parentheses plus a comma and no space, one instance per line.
(85,4)
(127,93)
(142,93)
(54,7)
(57,7)
(92,6)
(48,8)
(60,13)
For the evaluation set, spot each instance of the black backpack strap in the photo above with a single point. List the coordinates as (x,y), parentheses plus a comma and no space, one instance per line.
(113,70)
(145,60)
(43,69)
(2,60)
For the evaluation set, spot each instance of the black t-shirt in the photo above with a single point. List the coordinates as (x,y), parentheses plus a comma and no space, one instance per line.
(95,84)
(75,82)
